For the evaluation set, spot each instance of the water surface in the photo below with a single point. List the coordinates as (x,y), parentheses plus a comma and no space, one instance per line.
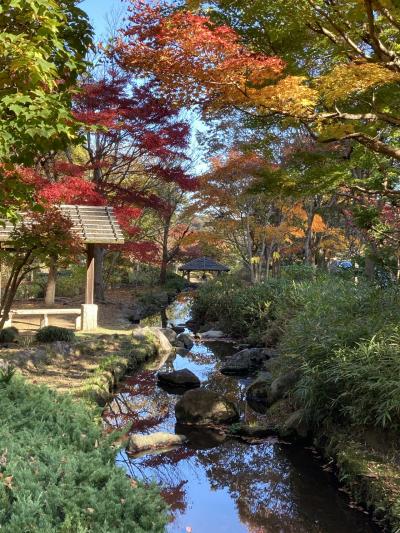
(214,485)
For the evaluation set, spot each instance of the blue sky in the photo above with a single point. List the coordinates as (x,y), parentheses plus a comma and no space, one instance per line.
(98,11)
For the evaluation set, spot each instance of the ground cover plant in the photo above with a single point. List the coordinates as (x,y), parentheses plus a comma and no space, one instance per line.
(57,471)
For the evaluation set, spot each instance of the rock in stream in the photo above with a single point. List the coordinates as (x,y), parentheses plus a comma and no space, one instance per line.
(203,407)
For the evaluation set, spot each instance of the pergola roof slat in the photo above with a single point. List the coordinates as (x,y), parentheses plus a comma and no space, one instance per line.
(93,224)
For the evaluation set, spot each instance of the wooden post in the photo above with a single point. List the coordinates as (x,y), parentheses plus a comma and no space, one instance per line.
(89,296)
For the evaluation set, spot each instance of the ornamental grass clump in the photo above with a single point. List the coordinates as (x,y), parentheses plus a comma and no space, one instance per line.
(342,338)
(358,385)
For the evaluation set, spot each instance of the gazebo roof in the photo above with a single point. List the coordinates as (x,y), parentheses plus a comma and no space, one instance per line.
(204,264)
(92,224)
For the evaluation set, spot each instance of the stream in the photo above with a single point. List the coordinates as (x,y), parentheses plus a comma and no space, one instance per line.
(214,485)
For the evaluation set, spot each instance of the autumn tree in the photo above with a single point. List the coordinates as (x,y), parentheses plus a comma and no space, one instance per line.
(57,181)
(256,226)
(351,41)
(223,61)
(169,228)
(34,241)
(134,138)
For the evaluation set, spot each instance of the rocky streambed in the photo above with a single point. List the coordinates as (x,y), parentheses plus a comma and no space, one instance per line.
(196,428)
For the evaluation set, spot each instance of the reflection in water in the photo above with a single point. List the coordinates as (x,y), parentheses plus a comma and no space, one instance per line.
(216,485)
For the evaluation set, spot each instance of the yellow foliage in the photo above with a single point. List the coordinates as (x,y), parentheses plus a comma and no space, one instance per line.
(332,130)
(290,95)
(347,79)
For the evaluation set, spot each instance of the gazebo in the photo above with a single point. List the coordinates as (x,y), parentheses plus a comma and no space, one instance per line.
(203,264)
(94,225)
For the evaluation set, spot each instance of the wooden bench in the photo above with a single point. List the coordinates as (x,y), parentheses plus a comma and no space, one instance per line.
(44,313)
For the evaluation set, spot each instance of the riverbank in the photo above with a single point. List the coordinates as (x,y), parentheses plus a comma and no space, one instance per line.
(335,382)
(92,364)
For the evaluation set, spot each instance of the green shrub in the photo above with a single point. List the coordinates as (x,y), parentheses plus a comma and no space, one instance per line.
(54,333)
(58,470)
(298,272)
(174,283)
(29,290)
(71,283)
(240,310)
(146,277)
(8,335)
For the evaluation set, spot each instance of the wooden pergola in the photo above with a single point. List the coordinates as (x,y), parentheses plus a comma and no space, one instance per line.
(94,226)
(203,264)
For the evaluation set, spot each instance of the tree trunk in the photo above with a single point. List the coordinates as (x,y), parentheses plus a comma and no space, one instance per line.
(16,276)
(165,258)
(99,293)
(370,267)
(398,268)
(308,256)
(50,295)
(250,252)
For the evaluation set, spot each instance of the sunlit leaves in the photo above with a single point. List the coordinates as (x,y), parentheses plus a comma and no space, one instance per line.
(346,80)
(42,45)
(192,58)
(40,59)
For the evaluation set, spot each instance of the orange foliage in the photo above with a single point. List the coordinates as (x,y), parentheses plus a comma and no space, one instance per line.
(191,56)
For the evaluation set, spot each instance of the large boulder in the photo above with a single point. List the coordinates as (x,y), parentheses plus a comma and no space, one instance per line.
(296,426)
(140,443)
(265,391)
(179,378)
(150,346)
(213,334)
(244,362)
(257,431)
(203,407)
(258,393)
(156,337)
(260,388)
(187,340)
(170,334)
(282,385)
